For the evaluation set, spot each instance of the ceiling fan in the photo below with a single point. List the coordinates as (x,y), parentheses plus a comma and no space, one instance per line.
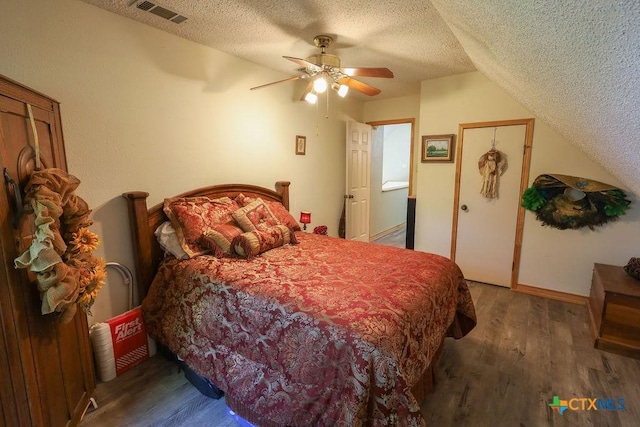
(324,71)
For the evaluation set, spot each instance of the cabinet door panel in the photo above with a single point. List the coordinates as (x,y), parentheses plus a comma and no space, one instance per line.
(49,367)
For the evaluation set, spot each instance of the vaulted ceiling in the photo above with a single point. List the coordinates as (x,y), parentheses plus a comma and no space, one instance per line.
(574,64)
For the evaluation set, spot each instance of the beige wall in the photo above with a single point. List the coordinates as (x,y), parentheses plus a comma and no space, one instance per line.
(144,110)
(554,259)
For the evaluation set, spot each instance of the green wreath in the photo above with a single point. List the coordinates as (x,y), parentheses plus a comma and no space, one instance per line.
(568,202)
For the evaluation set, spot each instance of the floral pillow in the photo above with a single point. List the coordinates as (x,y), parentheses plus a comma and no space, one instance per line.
(192,216)
(277,208)
(255,216)
(219,238)
(252,243)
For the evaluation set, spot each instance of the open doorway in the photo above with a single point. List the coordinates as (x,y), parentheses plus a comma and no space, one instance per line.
(391,180)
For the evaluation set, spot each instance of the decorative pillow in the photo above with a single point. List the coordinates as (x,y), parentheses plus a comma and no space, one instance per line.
(255,216)
(192,216)
(277,208)
(219,238)
(255,242)
(243,200)
(169,242)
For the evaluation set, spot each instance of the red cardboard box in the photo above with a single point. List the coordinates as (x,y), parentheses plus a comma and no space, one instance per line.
(129,337)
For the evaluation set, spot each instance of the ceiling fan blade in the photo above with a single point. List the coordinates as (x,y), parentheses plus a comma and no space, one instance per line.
(302,76)
(368,72)
(304,63)
(359,86)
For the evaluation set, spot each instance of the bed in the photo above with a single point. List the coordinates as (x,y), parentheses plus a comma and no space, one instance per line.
(318,332)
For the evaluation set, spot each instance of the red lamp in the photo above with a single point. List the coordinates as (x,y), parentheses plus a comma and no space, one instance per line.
(305,218)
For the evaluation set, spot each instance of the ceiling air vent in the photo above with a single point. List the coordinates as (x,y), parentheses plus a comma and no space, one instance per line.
(160,11)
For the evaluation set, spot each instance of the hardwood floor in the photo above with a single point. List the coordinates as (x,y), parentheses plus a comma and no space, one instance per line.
(524,351)
(397,238)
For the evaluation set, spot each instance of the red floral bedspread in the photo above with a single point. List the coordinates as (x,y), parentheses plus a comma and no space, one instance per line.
(329,332)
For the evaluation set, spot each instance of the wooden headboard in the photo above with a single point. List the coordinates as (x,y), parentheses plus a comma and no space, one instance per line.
(146,249)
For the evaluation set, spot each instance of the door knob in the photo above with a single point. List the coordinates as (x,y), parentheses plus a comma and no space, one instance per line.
(464,208)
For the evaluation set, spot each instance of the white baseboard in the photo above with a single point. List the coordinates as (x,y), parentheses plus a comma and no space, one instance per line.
(387,232)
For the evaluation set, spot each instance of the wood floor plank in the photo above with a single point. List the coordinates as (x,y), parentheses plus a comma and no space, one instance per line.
(524,351)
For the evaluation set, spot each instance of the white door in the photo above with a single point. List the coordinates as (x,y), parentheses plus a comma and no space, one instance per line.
(358,184)
(486,227)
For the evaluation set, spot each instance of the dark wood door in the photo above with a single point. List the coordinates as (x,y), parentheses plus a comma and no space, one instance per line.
(411,223)
(47,375)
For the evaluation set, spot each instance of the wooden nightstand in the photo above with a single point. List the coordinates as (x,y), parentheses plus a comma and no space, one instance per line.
(614,310)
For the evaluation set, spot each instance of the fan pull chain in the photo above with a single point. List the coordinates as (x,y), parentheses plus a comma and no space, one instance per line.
(317,118)
(327,114)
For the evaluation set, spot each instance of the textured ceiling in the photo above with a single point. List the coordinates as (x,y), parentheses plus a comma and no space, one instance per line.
(575,64)
(406,36)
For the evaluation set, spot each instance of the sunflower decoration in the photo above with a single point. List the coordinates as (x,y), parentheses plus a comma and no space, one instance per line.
(91,271)
(68,276)
(83,241)
(568,202)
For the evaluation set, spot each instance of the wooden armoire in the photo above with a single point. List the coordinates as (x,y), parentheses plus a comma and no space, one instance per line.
(46,369)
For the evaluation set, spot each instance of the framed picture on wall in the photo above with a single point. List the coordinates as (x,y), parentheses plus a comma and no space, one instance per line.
(437,148)
(301,145)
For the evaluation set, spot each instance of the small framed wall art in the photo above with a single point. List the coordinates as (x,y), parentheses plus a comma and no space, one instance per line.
(437,148)
(301,145)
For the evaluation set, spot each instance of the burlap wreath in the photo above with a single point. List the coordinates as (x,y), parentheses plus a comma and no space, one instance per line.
(60,254)
(549,198)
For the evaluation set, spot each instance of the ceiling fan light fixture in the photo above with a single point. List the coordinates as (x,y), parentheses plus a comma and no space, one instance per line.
(323,70)
(311,98)
(341,89)
(320,85)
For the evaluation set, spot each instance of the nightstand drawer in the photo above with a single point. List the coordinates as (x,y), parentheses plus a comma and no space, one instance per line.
(614,308)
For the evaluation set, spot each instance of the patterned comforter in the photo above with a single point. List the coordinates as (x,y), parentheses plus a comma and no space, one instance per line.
(328,332)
